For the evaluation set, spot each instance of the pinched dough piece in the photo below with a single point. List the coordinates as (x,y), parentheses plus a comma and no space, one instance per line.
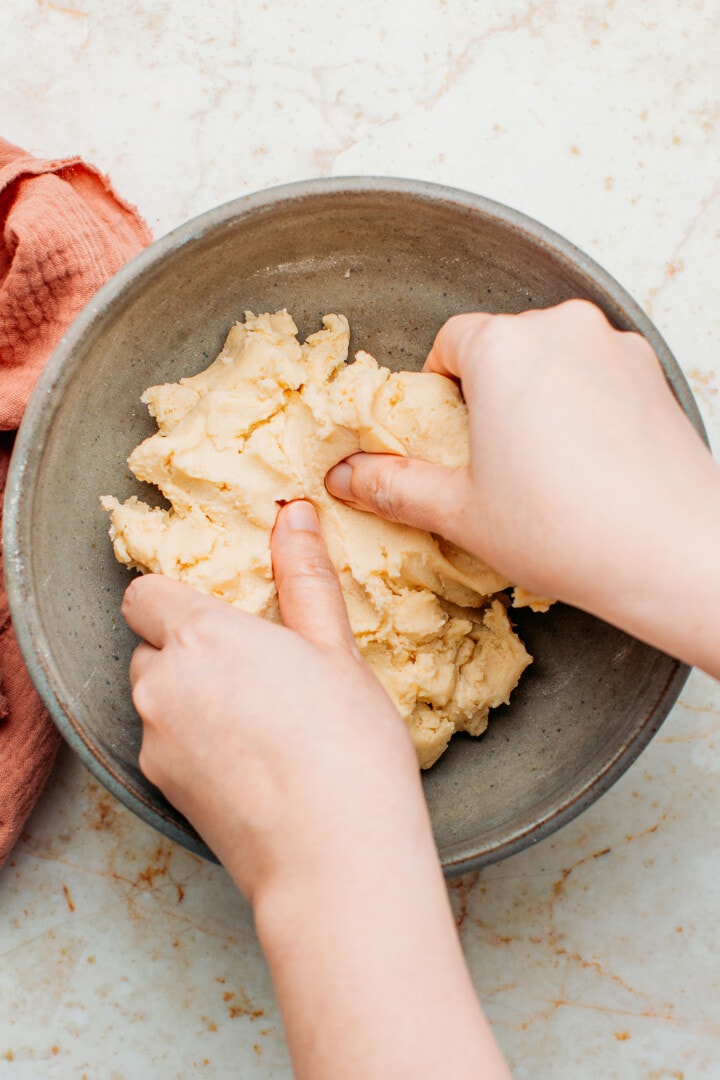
(261,426)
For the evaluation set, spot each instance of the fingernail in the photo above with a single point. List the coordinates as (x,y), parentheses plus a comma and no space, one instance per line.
(300,516)
(337,481)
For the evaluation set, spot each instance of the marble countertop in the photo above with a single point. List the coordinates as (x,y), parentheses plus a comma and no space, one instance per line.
(596,953)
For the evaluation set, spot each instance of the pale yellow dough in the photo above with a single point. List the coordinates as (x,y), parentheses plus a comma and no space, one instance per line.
(262,425)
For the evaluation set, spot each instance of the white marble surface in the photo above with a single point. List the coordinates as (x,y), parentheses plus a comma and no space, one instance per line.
(597,953)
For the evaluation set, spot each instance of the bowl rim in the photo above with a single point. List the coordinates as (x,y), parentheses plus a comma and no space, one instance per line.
(59,370)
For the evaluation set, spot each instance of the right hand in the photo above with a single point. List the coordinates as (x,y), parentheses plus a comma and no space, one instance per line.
(582,464)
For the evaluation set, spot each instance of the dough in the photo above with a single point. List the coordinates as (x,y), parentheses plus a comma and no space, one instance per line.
(261,426)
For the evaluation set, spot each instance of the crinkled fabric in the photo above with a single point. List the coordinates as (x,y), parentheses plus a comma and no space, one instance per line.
(63,233)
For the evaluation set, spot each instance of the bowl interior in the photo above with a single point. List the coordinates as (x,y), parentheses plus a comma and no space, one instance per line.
(397,260)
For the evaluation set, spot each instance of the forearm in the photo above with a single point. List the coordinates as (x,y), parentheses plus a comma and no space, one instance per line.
(664,590)
(367,964)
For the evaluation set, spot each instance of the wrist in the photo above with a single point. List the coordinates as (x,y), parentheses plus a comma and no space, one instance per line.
(362,830)
(367,965)
(321,818)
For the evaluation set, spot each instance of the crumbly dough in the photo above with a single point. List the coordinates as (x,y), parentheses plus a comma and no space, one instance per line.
(261,426)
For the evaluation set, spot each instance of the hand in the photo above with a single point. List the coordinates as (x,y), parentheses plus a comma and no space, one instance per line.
(282,749)
(264,735)
(586,481)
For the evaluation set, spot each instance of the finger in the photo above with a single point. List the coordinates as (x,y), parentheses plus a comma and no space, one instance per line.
(152,603)
(142,658)
(455,343)
(311,600)
(430,497)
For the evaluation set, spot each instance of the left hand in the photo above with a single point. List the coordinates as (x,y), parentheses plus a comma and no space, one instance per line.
(276,742)
(285,753)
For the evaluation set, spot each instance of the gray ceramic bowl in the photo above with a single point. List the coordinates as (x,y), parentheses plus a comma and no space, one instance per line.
(397,257)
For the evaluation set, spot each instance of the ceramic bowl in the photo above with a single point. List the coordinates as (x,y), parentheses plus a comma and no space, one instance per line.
(397,257)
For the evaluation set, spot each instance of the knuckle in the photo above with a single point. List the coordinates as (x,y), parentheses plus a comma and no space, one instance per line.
(457,326)
(497,337)
(585,311)
(471,331)
(142,699)
(385,491)
(464,334)
(314,567)
(641,347)
(190,630)
(130,595)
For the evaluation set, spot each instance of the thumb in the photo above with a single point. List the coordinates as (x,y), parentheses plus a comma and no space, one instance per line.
(309,593)
(419,493)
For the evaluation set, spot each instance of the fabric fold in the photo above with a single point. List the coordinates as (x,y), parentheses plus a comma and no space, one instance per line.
(63,233)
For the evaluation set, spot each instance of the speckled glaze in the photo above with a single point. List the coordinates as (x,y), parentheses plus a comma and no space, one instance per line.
(397,257)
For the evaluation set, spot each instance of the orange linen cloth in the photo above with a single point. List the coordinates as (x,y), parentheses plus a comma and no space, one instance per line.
(63,233)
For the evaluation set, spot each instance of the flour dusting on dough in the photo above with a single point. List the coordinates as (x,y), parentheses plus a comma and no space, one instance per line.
(261,426)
